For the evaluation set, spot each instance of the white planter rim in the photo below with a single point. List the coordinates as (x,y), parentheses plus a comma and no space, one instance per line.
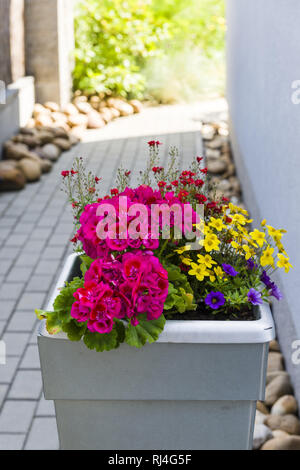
(261,330)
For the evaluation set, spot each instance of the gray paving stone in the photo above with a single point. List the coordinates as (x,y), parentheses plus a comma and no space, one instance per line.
(16,240)
(41,233)
(31,359)
(23,228)
(22,321)
(39,283)
(12,441)
(5,265)
(47,267)
(6,308)
(19,274)
(27,259)
(59,240)
(27,384)
(34,335)
(45,407)
(8,221)
(34,246)
(9,253)
(15,343)
(16,416)
(11,291)
(2,326)
(3,390)
(7,371)
(53,252)
(31,301)
(43,435)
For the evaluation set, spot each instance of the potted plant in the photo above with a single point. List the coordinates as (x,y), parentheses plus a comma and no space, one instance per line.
(156,341)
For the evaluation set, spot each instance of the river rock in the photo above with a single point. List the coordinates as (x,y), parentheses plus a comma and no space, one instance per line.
(70,109)
(212,153)
(63,144)
(282,443)
(208,132)
(275,361)
(260,417)
(106,114)
(261,434)
(78,119)
(115,112)
(280,386)
(54,107)
(95,120)
(30,141)
(84,107)
(45,165)
(137,105)
(280,433)
(30,168)
(287,404)
(95,102)
(51,152)
(260,406)
(216,166)
(45,137)
(11,177)
(15,151)
(274,346)
(272,375)
(215,143)
(40,109)
(43,120)
(288,423)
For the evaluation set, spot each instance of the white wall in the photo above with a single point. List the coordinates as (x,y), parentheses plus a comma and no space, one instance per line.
(263,60)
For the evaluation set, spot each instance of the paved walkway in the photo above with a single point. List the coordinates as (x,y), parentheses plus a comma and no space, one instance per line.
(35,228)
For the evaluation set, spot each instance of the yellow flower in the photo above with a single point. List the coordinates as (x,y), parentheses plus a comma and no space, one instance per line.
(263,222)
(219,272)
(284,263)
(272,231)
(217,224)
(267,257)
(258,237)
(206,260)
(211,242)
(249,252)
(182,249)
(186,260)
(212,278)
(199,271)
(281,248)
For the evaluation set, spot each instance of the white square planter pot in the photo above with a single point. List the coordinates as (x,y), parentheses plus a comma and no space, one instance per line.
(196,388)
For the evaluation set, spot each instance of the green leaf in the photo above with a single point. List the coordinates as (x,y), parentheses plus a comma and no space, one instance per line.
(53,324)
(64,301)
(101,342)
(74,330)
(86,262)
(146,330)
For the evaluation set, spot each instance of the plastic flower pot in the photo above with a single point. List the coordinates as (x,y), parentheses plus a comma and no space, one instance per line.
(196,388)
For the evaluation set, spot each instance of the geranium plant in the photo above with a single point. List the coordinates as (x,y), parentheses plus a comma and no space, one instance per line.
(139,268)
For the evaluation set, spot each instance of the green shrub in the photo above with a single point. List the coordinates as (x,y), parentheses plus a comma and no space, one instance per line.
(113,40)
(168,49)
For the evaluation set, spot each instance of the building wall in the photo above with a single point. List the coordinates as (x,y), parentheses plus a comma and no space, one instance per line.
(263,61)
(49,40)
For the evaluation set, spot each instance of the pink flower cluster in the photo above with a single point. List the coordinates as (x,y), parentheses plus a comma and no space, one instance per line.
(135,284)
(96,247)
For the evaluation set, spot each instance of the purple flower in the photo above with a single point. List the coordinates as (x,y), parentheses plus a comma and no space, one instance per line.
(266,280)
(275,292)
(254,297)
(250,264)
(215,300)
(228,269)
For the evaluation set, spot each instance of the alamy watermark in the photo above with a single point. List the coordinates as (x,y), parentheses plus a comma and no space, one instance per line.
(295,97)
(2,92)
(140,221)
(296,354)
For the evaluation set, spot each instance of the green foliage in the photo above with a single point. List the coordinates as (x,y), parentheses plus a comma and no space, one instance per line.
(106,341)
(146,330)
(180,296)
(156,47)
(86,262)
(113,40)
